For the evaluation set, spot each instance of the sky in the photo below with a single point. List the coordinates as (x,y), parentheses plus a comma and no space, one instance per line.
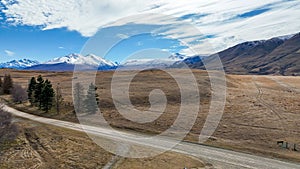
(42,30)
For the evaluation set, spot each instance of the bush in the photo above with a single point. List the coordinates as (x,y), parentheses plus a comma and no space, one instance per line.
(19,94)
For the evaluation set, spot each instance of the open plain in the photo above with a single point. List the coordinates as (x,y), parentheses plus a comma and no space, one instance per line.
(260,111)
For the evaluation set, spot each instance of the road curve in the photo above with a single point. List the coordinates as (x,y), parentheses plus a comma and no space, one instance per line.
(220,158)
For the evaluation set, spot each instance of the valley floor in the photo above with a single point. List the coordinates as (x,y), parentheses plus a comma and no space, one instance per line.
(259,111)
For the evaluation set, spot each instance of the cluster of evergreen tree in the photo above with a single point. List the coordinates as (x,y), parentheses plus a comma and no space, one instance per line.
(85,103)
(6,85)
(40,93)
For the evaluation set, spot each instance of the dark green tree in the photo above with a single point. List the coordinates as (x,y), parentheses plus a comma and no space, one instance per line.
(38,91)
(47,96)
(7,84)
(31,90)
(92,100)
(78,97)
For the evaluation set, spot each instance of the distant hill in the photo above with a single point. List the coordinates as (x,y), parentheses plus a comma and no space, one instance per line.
(278,56)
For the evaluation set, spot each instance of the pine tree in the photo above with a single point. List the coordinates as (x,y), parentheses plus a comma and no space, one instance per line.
(58,98)
(38,91)
(91,102)
(78,97)
(7,84)
(47,96)
(31,90)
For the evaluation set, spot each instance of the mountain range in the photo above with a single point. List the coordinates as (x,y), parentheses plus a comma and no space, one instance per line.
(278,56)
(67,63)
(152,63)
(19,64)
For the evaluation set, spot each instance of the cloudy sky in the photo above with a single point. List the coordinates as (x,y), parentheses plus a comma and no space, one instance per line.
(44,29)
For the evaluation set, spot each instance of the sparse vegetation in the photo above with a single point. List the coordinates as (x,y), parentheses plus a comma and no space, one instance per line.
(8,131)
(243,112)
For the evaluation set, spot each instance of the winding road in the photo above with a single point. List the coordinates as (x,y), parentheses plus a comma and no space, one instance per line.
(220,158)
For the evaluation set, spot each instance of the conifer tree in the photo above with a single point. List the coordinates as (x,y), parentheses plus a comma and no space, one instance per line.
(31,90)
(47,96)
(38,91)
(7,84)
(91,102)
(78,97)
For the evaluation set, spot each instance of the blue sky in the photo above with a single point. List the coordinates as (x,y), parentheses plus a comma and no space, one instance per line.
(33,43)
(119,43)
(42,30)
(127,47)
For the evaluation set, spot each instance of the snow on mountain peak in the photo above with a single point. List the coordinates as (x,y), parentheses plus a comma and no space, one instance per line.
(89,59)
(19,64)
(156,62)
(177,56)
(286,37)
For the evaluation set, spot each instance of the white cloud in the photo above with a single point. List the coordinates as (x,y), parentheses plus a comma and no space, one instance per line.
(83,16)
(61,47)
(140,43)
(9,53)
(214,17)
(165,50)
(122,36)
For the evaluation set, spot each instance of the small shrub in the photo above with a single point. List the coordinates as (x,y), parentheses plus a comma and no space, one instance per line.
(19,94)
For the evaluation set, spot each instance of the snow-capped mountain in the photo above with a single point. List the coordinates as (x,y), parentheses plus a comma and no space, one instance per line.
(148,62)
(152,63)
(67,63)
(19,64)
(177,56)
(82,60)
